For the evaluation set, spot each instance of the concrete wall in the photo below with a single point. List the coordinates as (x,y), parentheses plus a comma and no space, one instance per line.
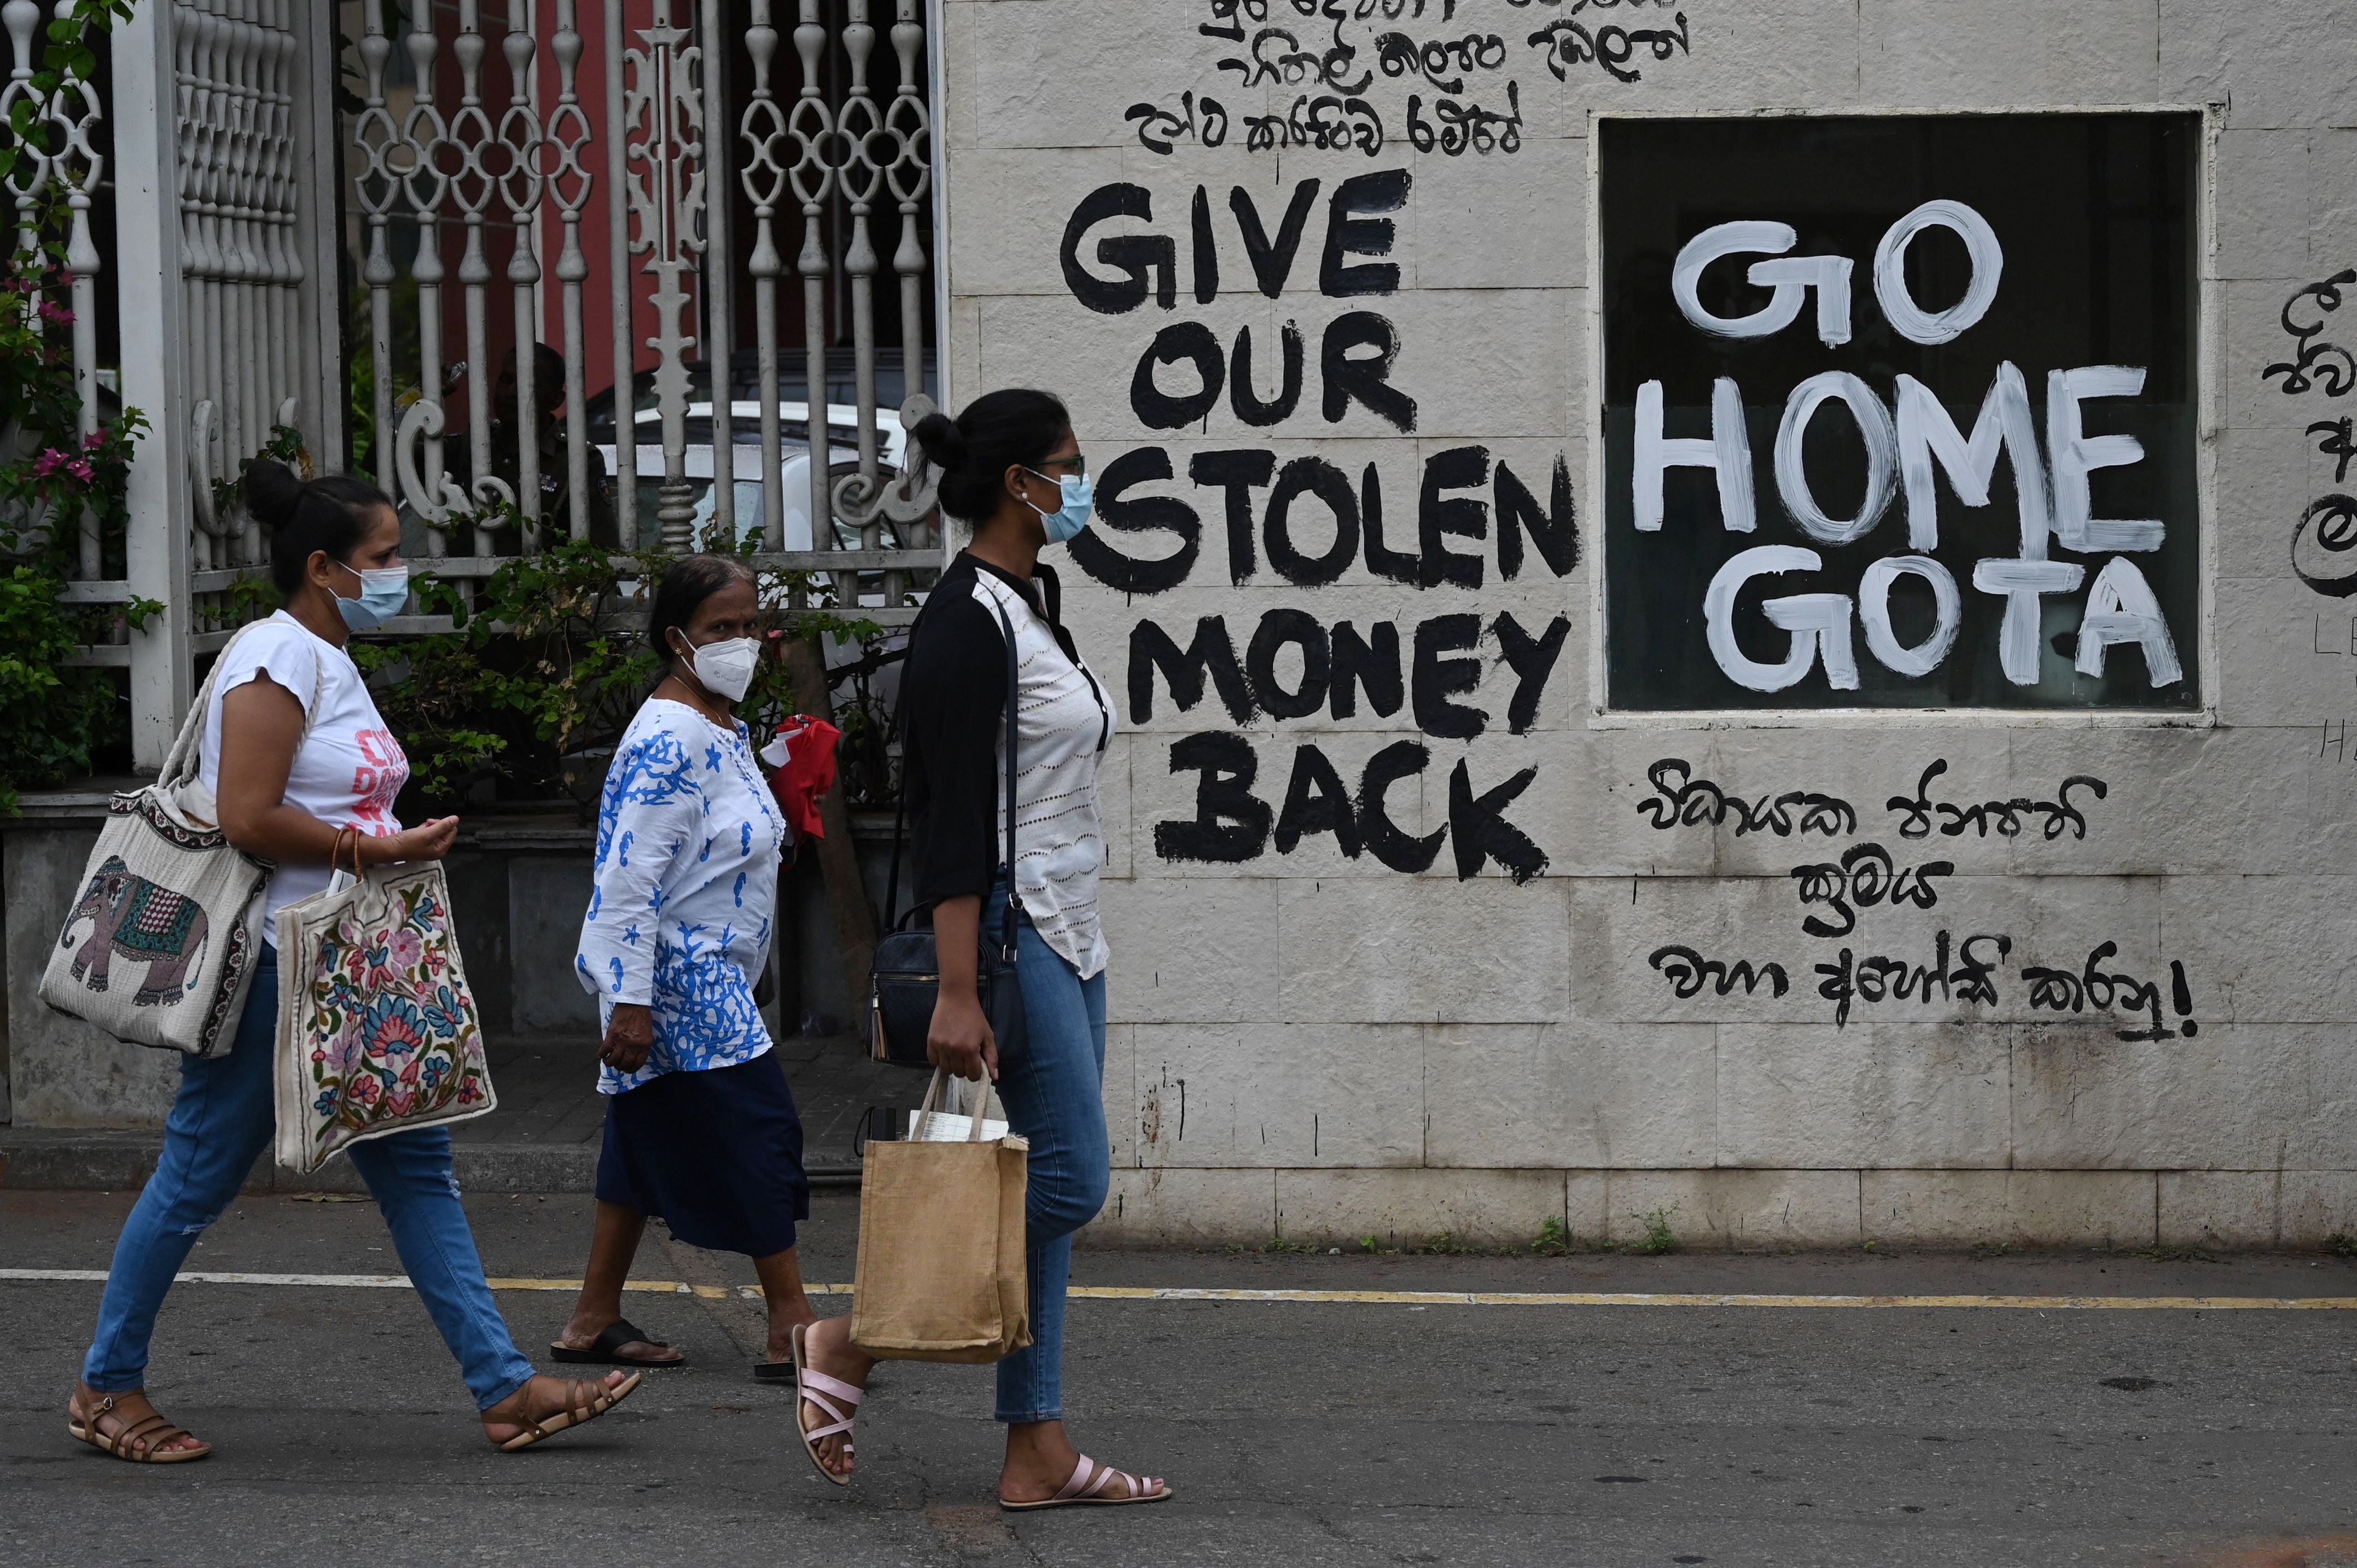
(519,886)
(1310,1043)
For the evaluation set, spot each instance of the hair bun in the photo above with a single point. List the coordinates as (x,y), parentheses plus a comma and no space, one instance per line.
(272,491)
(944,445)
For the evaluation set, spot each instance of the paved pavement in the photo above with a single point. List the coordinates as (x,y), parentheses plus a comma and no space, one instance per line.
(1295,1433)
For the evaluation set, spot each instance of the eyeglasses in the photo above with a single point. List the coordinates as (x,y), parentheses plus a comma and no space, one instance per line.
(1076,464)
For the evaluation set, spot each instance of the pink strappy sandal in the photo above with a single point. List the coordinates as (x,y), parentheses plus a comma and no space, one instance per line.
(1095,1483)
(816,1387)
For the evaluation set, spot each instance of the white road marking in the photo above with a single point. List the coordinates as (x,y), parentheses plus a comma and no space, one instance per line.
(1360,1297)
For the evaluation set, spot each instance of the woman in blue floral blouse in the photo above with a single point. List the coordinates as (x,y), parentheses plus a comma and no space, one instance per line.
(700,1126)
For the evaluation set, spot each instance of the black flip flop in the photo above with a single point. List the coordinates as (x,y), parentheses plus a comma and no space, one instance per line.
(779,1372)
(605,1349)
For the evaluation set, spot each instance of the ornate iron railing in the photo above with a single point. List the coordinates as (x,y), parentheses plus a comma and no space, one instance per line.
(505,176)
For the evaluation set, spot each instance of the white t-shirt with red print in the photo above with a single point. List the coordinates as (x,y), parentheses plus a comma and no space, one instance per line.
(348,771)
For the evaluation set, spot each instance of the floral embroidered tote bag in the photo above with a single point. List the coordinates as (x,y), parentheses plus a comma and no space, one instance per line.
(377,1031)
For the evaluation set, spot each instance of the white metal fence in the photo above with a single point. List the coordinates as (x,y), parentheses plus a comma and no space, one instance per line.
(478,173)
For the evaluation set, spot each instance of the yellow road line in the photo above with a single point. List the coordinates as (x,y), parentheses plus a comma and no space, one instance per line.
(1349,1297)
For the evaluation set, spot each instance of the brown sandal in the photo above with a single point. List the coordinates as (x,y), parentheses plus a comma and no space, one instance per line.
(138,1441)
(550,1425)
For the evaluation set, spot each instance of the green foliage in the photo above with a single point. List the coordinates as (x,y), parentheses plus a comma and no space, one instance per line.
(67,56)
(547,664)
(2341,1244)
(1555,1238)
(55,481)
(1659,1236)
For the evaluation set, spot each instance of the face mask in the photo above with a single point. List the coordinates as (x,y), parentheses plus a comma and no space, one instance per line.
(726,668)
(383,592)
(1079,496)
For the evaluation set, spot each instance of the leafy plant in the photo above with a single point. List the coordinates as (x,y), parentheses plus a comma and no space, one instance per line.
(1555,1238)
(547,663)
(57,481)
(1659,1235)
(2341,1244)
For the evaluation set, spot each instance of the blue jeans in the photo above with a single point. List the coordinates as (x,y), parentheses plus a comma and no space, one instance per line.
(223,1119)
(1053,1089)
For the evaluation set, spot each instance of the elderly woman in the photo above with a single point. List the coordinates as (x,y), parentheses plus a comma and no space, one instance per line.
(700,1126)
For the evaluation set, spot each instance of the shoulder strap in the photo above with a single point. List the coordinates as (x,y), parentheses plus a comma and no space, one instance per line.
(1007,928)
(181,763)
(900,807)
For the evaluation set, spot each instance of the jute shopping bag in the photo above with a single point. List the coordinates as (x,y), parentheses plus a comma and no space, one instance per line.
(941,1274)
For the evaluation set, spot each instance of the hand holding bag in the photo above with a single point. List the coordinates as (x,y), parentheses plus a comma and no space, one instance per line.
(942,1275)
(172,909)
(905,978)
(377,1030)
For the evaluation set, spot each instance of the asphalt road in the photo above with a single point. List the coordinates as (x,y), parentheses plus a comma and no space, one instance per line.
(1295,1434)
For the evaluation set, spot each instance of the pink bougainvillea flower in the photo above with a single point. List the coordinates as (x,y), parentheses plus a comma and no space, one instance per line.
(81,469)
(95,438)
(57,313)
(48,463)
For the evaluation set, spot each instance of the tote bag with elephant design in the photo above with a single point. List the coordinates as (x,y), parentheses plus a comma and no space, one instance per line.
(160,945)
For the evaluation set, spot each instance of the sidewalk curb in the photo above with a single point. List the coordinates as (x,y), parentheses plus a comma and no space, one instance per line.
(43,1160)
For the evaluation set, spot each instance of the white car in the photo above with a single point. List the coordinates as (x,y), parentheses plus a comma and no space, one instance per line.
(745,416)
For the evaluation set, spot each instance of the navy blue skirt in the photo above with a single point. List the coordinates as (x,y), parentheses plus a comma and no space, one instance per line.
(717,1155)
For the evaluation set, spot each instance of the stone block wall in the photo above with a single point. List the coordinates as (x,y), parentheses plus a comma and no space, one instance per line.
(1321,1039)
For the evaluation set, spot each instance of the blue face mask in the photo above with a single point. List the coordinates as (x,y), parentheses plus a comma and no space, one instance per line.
(384,592)
(1073,516)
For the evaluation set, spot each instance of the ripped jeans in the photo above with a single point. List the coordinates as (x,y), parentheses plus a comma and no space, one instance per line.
(224,1119)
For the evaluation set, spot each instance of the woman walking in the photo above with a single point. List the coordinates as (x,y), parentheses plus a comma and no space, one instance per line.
(296,757)
(700,1126)
(1010,465)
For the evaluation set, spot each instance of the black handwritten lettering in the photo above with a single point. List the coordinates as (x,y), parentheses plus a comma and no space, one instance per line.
(1272,259)
(1279,630)
(1399,566)
(1369,664)
(1440,518)
(1688,972)
(1400,55)
(1119,514)
(1324,123)
(1242,396)
(2339,441)
(2314,364)
(1237,474)
(1533,661)
(2321,544)
(1456,128)
(1437,680)
(2060,991)
(1478,829)
(1681,800)
(2004,817)
(1366,377)
(1317,802)
(1385,839)
(1232,823)
(1554,533)
(1311,476)
(1864,876)
(1158,129)
(1188,342)
(1355,227)
(1212,653)
(1147,263)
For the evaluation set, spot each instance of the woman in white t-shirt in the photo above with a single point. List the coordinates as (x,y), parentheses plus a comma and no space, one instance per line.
(298,758)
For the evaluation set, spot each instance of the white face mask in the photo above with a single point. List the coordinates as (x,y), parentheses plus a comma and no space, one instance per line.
(726,668)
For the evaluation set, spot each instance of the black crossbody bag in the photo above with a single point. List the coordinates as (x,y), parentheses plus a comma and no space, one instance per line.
(905,980)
